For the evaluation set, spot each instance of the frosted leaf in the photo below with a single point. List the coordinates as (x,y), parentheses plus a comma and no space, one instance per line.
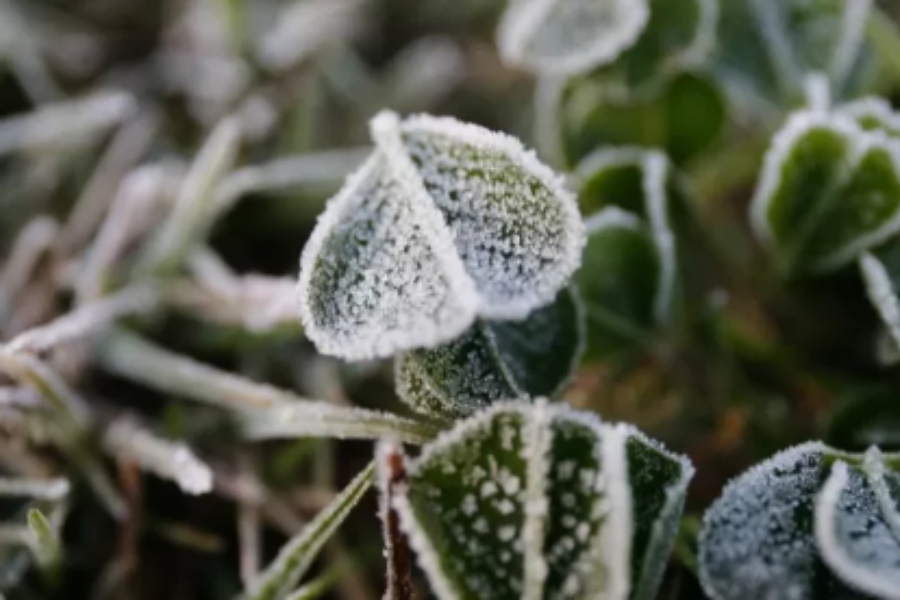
(679,34)
(569,36)
(445,222)
(873,114)
(829,190)
(534,501)
(516,228)
(854,535)
(659,481)
(880,272)
(628,272)
(495,360)
(757,538)
(766,47)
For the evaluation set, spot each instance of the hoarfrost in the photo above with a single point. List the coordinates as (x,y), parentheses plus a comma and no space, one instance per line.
(755,541)
(495,360)
(506,524)
(569,36)
(854,535)
(444,223)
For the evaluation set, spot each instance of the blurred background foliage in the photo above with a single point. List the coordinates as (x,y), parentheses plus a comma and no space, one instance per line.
(752,365)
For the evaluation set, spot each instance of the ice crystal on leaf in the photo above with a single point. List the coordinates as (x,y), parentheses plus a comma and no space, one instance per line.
(530,500)
(495,360)
(856,527)
(444,223)
(810,523)
(628,274)
(569,36)
(829,190)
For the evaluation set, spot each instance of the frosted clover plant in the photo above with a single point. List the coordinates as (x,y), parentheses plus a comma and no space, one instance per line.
(451,249)
(444,223)
(810,523)
(829,196)
(540,501)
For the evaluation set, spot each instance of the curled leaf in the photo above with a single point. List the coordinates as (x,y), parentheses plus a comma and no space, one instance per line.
(854,527)
(495,360)
(829,190)
(804,525)
(445,222)
(537,500)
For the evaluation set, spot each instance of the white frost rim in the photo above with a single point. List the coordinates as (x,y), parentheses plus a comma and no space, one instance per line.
(675,495)
(880,291)
(611,544)
(511,148)
(523,18)
(856,575)
(782,144)
(655,174)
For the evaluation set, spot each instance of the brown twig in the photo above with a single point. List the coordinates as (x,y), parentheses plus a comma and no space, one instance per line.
(399,582)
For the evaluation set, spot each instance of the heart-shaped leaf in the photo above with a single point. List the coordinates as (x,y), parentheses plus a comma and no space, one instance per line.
(444,223)
(767,47)
(779,530)
(495,360)
(829,190)
(536,500)
(569,36)
(628,273)
(858,526)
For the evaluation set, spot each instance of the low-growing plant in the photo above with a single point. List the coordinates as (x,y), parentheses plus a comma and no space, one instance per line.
(703,244)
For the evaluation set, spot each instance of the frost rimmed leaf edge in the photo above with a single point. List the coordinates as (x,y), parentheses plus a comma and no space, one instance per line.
(523,18)
(655,169)
(612,543)
(834,477)
(858,576)
(410,363)
(840,122)
(386,130)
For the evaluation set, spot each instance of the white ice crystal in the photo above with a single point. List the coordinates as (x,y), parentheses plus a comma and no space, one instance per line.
(751,545)
(537,504)
(445,222)
(569,36)
(854,536)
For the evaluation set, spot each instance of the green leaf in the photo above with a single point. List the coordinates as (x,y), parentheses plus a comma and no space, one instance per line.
(535,500)
(47,544)
(683,117)
(496,360)
(767,47)
(659,481)
(857,526)
(767,535)
(445,223)
(829,190)
(628,273)
(297,555)
(679,34)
